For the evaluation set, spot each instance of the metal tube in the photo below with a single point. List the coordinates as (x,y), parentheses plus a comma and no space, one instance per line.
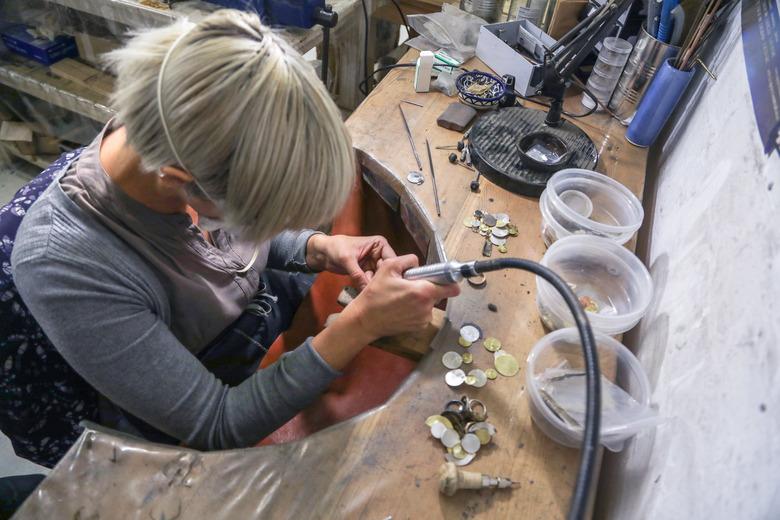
(411,139)
(433,178)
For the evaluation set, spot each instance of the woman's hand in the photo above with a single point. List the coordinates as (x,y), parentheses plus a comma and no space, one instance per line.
(389,305)
(357,257)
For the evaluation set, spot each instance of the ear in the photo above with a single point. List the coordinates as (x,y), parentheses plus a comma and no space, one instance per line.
(173,175)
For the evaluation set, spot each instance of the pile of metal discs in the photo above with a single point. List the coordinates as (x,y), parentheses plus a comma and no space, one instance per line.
(415,177)
(462,429)
(505,363)
(496,228)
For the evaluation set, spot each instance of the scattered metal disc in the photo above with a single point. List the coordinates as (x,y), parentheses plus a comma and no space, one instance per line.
(488,220)
(491,373)
(468,358)
(492,344)
(460,462)
(458,452)
(463,342)
(470,443)
(502,249)
(430,421)
(512,230)
(477,281)
(478,213)
(438,429)
(415,177)
(474,427)
(500,232)
(455,377)
(480,378)
(507,365)
(497,241)
(450,438)
(451,360)
(470,332)
(501,223)
(502,216)
(471,380)
(484,228)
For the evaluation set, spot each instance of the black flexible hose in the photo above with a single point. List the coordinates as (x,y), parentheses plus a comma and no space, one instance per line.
(590,441)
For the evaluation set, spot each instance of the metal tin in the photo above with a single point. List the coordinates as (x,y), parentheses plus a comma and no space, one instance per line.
(648,55)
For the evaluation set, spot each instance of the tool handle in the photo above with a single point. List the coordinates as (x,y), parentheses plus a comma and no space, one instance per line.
(441,274)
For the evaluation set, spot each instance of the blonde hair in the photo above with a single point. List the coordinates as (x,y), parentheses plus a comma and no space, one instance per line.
(246,113)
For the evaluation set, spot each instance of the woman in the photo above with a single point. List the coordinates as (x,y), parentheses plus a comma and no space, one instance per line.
(159,255)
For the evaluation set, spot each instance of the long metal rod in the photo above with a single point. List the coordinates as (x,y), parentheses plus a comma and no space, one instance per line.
(411,139)
(433,178)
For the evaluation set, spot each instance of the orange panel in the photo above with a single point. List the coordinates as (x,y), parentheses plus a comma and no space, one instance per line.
(371,378)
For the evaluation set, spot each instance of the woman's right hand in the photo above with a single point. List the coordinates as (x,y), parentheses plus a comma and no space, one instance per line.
(391,305)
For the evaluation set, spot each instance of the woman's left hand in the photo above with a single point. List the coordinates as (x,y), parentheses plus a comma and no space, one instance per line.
(357,257)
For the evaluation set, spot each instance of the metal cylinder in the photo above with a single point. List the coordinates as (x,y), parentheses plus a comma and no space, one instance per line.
(648,54)
(488,10)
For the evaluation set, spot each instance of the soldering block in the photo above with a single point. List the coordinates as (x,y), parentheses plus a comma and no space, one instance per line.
(456,117)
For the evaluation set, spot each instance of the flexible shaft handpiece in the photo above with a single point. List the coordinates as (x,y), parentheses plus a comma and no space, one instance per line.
(443,273)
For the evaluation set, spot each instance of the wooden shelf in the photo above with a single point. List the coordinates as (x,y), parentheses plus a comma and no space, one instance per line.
(35,80)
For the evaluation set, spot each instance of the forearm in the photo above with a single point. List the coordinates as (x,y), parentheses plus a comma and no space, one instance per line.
(343,339)
(289,251)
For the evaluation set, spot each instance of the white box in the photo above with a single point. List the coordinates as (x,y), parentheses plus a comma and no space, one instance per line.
(495,49)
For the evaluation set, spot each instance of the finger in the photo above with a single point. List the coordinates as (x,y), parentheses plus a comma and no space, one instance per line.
(385,251)
(441,292)
(356,274)
(401,263)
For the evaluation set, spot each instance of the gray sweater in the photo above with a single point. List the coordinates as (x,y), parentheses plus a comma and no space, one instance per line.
(108,313)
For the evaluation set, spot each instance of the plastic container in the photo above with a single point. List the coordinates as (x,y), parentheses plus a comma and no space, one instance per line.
(603,274)
(606,73)
(615,213)
(624,386)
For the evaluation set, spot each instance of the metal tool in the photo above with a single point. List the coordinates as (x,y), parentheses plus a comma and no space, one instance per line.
(443,273)
(411,140)
(433,178)
(452,479)
(474,185)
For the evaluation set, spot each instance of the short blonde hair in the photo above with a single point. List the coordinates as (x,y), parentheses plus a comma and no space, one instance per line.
(246,114)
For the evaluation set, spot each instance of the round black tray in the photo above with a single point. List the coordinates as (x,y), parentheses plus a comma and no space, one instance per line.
(493,147)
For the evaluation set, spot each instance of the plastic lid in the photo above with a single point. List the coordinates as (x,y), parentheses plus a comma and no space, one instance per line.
(617,45)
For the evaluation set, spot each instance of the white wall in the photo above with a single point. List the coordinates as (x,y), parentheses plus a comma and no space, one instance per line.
(710,341)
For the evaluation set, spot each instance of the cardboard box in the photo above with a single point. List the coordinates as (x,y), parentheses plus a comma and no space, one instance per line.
(84,75)
(91,48)
(22,41)
(19,135)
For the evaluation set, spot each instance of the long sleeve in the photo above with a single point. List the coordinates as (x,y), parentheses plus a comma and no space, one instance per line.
(105,321)
(288,251)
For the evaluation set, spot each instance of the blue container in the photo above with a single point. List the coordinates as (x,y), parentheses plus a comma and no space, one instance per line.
(658,103)
(18,40)
(295,13)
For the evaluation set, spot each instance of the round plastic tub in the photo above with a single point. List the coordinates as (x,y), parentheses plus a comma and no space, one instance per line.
(611,283)
(554,376)
(616,213)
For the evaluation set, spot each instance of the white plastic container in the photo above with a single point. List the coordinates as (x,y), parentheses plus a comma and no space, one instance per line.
(616,213)
(599,271)
(625,404)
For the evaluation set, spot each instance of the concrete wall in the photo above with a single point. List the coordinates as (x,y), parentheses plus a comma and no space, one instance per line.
(709,343)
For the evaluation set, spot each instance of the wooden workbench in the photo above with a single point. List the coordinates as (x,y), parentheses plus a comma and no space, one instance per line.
(383,463)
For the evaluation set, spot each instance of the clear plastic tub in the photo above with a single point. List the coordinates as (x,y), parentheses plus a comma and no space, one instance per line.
(555,384)
(616,213)
(611,283)
(614,50)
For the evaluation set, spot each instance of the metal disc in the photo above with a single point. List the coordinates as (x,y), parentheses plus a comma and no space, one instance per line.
(502,216)
(430,421)
(492,344)
(438,429)
(491,373)
(507,365)
(497,241)
(455,377)
(470,332)
(468,358)
(470,443)
(471,380)
(489,220)
(450,438)
(460,462)
(415,177)
(451,360)
(500,232)
(479,377)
